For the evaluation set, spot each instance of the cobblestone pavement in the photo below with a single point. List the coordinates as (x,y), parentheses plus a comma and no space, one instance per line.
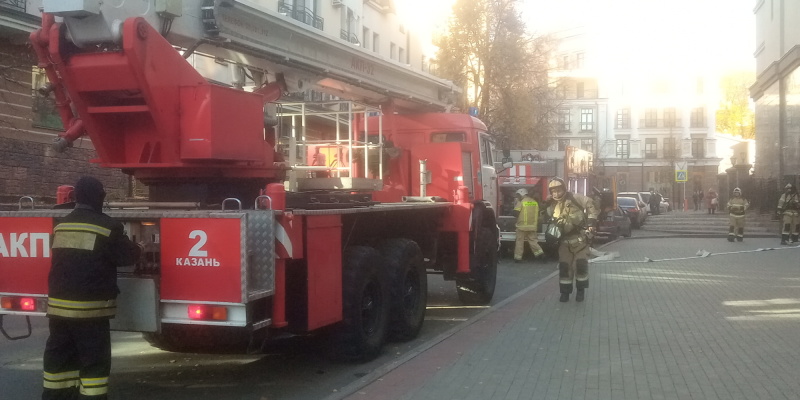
(659,322)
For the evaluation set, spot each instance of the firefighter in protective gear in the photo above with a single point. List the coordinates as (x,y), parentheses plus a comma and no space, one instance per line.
(576,216)
(789,208)
(526,210)
(87,248)
(737,205)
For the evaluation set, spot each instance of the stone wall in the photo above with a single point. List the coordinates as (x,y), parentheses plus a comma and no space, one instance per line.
(28,165)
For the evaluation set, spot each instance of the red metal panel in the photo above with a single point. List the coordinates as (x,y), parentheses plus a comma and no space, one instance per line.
(324,269)
(201,259)
(219,123)
(444,162)
(25,254)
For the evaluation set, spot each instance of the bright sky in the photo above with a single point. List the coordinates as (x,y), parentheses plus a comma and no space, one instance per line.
(718,34)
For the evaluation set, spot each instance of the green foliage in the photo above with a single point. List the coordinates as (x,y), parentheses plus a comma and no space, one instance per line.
(735,115)
(503,70)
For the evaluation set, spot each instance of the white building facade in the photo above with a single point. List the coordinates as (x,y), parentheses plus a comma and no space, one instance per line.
(644,119)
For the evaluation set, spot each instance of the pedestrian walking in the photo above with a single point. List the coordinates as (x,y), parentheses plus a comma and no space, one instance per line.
(737,205)
(655,202)
(526,210)
(698,199)
(87,248)
(789,209)
(575,216)
(711,201)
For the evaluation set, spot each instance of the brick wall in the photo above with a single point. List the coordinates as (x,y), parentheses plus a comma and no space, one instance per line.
(28,166)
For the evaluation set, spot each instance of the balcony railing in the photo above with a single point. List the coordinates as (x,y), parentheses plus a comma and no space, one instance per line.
(17,5)
(302,14)
(349,36)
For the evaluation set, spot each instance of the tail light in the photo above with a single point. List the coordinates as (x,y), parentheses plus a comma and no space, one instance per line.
(16,303)
(204,312)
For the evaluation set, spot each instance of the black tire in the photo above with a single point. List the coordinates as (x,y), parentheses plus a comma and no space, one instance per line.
(408,288)
(478,288)
(365,306)
(180,338)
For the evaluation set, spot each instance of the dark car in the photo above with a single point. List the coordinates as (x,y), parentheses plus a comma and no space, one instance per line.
(616,223)
(636,214)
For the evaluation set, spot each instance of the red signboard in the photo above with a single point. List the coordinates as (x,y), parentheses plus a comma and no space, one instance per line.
(25,254)
(201,259)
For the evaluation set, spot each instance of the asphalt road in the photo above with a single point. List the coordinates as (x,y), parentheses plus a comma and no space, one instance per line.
(291,369)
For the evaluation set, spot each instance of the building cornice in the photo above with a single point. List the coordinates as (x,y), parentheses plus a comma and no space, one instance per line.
(775,71)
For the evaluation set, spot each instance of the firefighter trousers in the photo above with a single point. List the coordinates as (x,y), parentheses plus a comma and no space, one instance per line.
(77,359)
(736,223)
(791,225)
(532,238)
(573,263)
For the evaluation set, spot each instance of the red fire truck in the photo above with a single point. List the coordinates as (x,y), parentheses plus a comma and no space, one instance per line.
(323,217)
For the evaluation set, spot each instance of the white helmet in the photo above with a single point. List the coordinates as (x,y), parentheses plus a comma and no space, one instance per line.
(522,192)
(737,191)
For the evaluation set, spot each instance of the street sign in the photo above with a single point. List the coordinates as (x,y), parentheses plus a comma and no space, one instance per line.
(681,168)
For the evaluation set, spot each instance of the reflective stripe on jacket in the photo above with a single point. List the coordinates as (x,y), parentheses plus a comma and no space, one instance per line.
(528,218)
(87,248)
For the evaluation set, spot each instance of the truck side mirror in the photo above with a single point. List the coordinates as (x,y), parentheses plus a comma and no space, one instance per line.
(504,165)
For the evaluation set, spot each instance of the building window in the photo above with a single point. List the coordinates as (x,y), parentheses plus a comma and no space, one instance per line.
(698,148)
(698,117)
(565,62)
(651,118)
(563,120)
(669,147)
(376,41)
(651,148)
(623,148)
(669,117)
(401,55)
(365,34)
(562,144)
(392,50)
(581,59)
(587,120)
(624,119)
(587,144)
(579,89)
(402,28)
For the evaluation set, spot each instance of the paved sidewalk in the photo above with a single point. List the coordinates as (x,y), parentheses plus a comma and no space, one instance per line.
(724,326)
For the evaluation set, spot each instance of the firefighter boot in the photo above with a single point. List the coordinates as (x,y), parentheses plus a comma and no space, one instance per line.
(795,238)
(784,239)
(579,295)
(740,235)
(730,233)
(564,297)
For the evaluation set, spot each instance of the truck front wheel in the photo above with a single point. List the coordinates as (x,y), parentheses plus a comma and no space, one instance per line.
(408,286)
(365,306)
(478,287)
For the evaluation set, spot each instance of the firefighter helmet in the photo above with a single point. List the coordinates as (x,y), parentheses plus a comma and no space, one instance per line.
(555,182)
(789,186)
(554,185)
(522,192)
(737,191)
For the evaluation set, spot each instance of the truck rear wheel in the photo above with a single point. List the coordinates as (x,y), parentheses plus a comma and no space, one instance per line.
(408,288)
(478,288)
(365,306)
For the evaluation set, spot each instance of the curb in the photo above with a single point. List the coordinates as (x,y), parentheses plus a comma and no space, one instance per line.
(377,373)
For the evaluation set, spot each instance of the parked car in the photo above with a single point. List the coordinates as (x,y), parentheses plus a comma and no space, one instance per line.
(640,198)
(666,204)
(617,223)
(636,213)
